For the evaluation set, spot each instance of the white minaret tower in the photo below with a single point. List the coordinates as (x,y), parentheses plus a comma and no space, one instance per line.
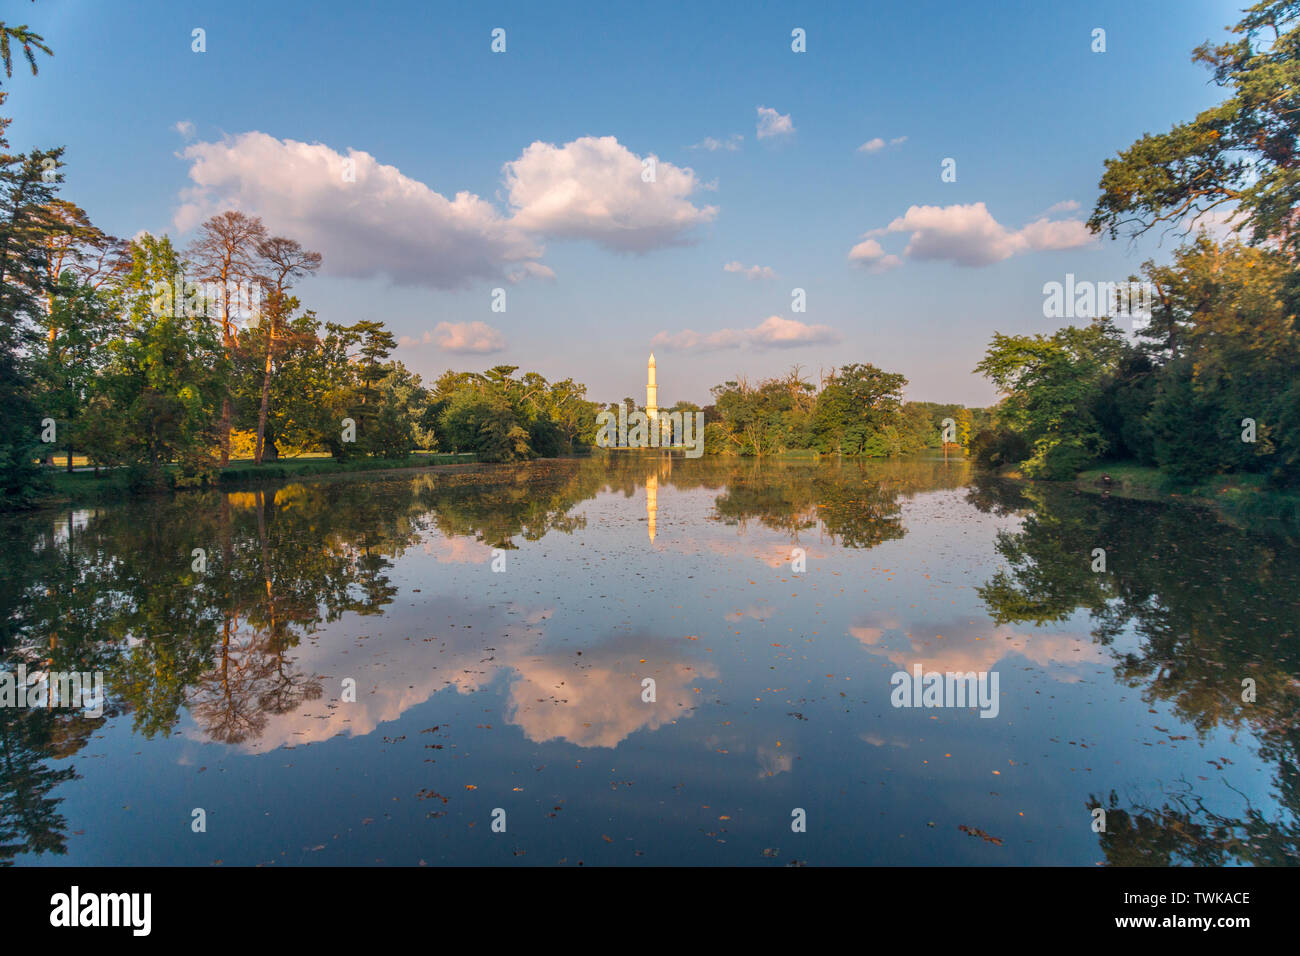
(651,394)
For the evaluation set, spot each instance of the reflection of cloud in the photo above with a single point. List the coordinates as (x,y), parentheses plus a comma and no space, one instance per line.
(592,701)
(458,550)
(406,673)
(773,760)
(759,612)
(774,554)
(599,704)
(972,647)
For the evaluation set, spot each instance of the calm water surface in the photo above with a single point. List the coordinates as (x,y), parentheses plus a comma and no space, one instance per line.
(521,689)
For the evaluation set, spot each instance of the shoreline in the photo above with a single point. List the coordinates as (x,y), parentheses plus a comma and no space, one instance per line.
(85,488)
(1237,499)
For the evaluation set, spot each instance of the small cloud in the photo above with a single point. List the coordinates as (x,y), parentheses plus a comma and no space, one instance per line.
(533,270)
(185,128)
(688,340)
(776,332)
(773,332)
(877,144)
(750,272)
(772,124)
(1068,205)
(872,256)
(466,338)
(730,144)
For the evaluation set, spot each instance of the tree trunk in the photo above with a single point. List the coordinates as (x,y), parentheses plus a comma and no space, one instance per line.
(266,393)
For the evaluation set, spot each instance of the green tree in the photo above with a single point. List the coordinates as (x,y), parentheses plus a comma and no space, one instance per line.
(1052,384)
(859,410)
(166,376)
(1241,153)
(68,359)
(31,42)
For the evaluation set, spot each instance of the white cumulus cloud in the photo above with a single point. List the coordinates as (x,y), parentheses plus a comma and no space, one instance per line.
(968,235)
(383,223)
(592,188)
(368,219)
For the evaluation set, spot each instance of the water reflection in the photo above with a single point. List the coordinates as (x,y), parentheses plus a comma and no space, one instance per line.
(1196,614)
(307,583)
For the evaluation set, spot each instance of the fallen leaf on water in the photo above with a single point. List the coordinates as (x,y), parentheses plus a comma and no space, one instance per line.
(977,832)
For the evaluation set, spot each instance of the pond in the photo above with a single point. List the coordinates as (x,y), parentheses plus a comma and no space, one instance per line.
(634,659)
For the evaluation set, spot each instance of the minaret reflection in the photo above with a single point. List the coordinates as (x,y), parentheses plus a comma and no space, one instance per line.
(663,465)
(651,501)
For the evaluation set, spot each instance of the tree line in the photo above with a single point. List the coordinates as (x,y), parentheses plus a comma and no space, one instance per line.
(856,410)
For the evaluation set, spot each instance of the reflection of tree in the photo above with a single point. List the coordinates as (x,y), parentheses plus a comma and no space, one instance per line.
(251,680)
(1182,831)
(526,501)
(1050,562)
(857,502)
(1210,605)
(119,592)
(787,505)
(30,821)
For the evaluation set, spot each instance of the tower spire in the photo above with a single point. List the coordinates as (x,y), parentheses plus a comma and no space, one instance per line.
(651,394)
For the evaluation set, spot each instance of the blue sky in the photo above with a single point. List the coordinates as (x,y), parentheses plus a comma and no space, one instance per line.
(605,266)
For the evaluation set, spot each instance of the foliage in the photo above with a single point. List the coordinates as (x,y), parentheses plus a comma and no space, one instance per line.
(857,411)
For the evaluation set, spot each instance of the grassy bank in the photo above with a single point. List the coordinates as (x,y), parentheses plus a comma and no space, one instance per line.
(1243,497)
(84,487)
